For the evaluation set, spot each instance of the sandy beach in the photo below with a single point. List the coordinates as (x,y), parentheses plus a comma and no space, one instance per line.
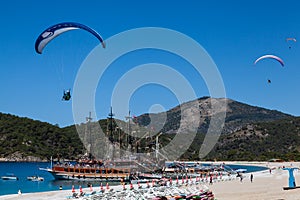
(265,186)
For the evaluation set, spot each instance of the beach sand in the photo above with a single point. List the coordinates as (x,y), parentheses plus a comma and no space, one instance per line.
(265,186)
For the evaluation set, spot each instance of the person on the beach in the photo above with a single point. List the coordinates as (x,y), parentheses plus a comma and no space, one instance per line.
(210,180)
(241,178)
(251,178)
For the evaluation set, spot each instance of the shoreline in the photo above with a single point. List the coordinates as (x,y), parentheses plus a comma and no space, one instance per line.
(11,161)
(265,185)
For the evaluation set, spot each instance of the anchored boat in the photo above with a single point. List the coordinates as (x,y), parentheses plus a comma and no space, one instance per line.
(88,171)
(35,178)
(9,176)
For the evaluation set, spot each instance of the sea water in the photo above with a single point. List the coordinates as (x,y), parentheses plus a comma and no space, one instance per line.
(24,169)
(249,168)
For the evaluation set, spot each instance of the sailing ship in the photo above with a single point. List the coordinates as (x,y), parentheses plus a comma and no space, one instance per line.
(88,171)
(86,168)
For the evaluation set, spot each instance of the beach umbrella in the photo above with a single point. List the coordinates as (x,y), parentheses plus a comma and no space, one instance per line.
(73,189)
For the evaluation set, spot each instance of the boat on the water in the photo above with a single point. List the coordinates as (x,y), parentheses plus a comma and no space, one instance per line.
(9,176)
(241,170)
(179,169)
(35,178)
(88,171)
(144,177)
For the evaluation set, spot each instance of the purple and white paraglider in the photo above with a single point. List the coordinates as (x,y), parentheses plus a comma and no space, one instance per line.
(52,32)
(272,57)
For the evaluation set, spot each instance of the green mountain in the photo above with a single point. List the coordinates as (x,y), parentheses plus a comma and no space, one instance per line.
(278,139)
(237,115)
(30,140)
(249,133)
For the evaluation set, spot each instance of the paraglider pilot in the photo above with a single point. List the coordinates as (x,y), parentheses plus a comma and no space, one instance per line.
(67,95)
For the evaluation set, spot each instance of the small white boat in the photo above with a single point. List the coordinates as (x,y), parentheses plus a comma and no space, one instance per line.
(241,170)
(35,178)
(9,176)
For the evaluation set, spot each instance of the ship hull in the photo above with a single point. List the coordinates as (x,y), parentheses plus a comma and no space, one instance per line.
(110,177)
(86,177)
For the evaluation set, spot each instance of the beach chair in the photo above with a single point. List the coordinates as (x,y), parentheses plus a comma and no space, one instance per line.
(73,196)
(90,194)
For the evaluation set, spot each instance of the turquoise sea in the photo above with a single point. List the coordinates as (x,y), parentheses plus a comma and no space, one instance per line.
(24,169)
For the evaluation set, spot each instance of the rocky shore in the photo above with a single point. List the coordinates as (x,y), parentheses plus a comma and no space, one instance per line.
(16,157)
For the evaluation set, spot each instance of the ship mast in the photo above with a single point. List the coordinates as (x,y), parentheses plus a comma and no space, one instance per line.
(110,131)
(129,129)
(88,122)
(110,126)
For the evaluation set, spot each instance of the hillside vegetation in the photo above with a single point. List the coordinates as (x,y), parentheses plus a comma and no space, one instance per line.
(261,141)
(30,140)
(249,133)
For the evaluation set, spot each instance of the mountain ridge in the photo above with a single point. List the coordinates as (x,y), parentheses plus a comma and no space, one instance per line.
(25,139)
(237,115)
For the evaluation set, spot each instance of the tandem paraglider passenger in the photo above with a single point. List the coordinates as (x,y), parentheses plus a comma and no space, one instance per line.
(67,95)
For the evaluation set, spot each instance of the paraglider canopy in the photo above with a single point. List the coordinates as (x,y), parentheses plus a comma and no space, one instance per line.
(289,40)
(52,32)
(66,95)
(271,57)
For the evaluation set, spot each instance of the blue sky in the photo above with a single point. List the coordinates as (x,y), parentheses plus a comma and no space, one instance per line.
(233,33)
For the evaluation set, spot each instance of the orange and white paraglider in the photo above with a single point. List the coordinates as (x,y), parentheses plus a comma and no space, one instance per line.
(290,40)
